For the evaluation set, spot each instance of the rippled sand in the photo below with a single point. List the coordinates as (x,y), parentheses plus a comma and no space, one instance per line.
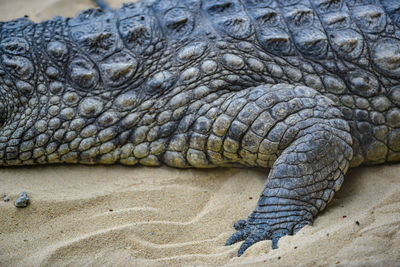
(115,215)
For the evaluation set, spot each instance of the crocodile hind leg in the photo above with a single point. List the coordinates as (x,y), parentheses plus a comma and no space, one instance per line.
(313,145)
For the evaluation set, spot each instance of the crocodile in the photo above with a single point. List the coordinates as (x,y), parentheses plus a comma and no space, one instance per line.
(305,88)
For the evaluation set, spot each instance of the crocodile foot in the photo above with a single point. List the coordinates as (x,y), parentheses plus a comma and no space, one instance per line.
(264,228)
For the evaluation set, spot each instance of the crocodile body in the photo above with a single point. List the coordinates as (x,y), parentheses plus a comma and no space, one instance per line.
(307,88)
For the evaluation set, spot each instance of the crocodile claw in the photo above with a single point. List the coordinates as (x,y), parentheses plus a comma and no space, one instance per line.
(256,235)
(253,233)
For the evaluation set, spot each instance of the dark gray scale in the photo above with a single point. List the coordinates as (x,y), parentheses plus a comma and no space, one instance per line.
(160,82)
(177,21)
(138,27)
(288,2)
(15,26)
(3,107)
(258,3)
(385,54)
(18,66)
(14,46)
(229,17)
(336,20)
(95,33)
(370,18)
(24,88)
(191,52)
(392,8)
(327,6)
(363,83)
(118,68)
(306,29)
(342,33)
(57,51)
(83,73)
(347,43)
(300,17)
(271,30)
(352,3)
(394,95)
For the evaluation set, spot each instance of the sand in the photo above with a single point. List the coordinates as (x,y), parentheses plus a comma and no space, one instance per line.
(138,216)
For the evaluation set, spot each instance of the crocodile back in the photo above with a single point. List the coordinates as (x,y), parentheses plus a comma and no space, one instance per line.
(145,56)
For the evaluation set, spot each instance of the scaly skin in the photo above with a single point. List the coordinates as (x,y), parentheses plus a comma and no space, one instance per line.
(305,87)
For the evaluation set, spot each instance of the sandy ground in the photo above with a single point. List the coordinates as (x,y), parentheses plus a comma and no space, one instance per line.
(120,216)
